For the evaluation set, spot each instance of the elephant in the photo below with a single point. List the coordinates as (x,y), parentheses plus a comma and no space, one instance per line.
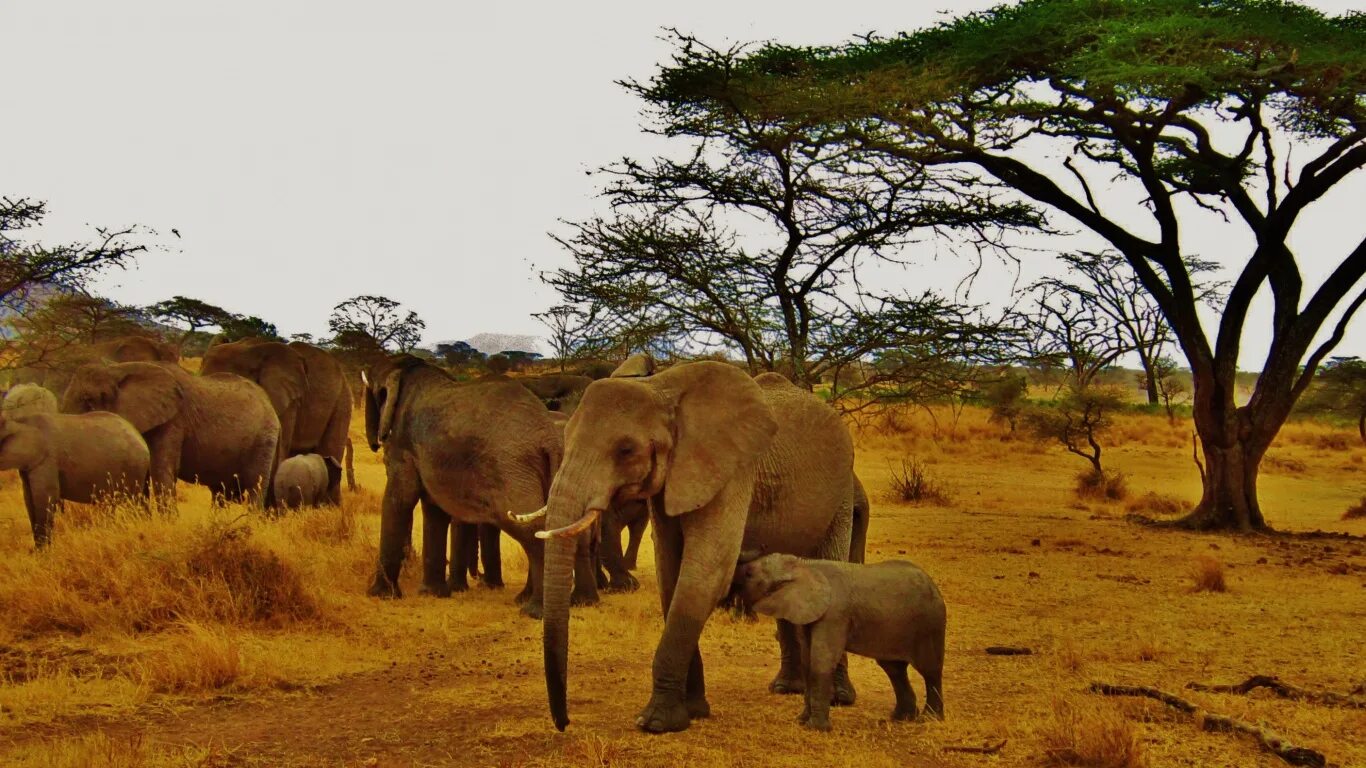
(73,458)
(217,430)
(559,391)
(27,400)
(613,566)
(891,612)
(727,463)
(470,541)
(472,452)
(303,480)
(56,373)
(307,389)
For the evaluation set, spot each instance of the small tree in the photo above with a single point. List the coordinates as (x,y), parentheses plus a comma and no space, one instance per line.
(190,315)
(569,331)
(1078,421)
(1005,397)
(26,265)
(1341,388)
(54,333)
(1171,390)
(381,319)
(458,353)
(1066,332)
(249,327)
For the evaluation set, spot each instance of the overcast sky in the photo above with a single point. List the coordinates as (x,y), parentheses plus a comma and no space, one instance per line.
(312,151)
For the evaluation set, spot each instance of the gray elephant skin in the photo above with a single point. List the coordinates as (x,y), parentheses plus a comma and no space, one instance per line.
(217,430)
(71,458)
(728,463)
(471,452)
(304,480)
(559,391)
(891,612)
(27,400)
(307,388)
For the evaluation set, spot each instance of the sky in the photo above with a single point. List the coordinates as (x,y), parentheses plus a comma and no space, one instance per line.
(313,150)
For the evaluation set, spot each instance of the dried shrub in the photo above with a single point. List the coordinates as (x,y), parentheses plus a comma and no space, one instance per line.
(1335,441)
(198,659)
(262,588)
(1284,464)
(1356,511)
(1109,486)
(1090,735)
(1158,505)
(912,482)
(1207,573)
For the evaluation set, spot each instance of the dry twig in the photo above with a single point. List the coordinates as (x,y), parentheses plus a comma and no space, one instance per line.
(988,749)
(1285,691)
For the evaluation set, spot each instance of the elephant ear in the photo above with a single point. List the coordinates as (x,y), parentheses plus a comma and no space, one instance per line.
(149,396)
(802,599)
(721,426)
(392,383)
(635,366)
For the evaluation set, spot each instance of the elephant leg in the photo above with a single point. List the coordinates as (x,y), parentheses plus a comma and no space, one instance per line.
(825,649)
(791,677)
(637,530)
(838,545)
(491,554)
(532,596)
(461,535)
(42,498)
(281,452)
(695,556)
(619,578)
(164,445)
(336,443)
(585,576)
(401,493)
(435,524)
(901,686)
(350,464)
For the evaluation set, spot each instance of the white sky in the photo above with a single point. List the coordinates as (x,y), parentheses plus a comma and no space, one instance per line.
(312,151)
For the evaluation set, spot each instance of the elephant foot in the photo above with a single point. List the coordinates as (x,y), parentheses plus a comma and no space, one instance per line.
(603,581)
(900,715)
(699,708)
(817,723)
(532,609)
(385,589)
(458,586)
(436,589)
(787,684)
(491,583)
(583,598)
(663,715)
(524,596)
(844,694)
(623,582)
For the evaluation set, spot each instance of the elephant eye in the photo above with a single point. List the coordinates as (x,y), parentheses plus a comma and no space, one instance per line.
(626,449)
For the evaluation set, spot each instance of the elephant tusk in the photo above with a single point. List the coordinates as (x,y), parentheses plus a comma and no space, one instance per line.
(528,517)
(363,378)
(574,528)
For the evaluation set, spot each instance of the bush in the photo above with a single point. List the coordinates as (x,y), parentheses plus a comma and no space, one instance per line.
(1357,510)
(1108,486)
(1158,504)
(1208,574)
(1091,736)
(912,482)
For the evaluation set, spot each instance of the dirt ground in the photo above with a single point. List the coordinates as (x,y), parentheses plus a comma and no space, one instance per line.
(121,647)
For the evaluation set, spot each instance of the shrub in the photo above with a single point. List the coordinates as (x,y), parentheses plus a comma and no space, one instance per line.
(1207,573)
(1357,510)
(912,482)
(1091,736)
(1109,486)
(1158,504)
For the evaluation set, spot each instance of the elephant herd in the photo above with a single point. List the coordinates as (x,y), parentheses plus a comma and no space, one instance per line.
(717,462)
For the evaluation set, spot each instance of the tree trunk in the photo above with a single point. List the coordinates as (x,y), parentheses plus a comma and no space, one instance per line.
(1149,377)
(1361,426)
(1234,440)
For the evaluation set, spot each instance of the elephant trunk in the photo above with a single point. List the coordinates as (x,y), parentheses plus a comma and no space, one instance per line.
(563,511)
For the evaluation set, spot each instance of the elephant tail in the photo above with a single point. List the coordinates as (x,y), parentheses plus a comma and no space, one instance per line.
(349,460)
(858,539)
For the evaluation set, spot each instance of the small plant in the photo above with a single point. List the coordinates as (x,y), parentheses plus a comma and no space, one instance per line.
(1158,504)
(1108,486)
(1208,574)
(1078,422)
(1356,511)
(912,482)
(1091,736)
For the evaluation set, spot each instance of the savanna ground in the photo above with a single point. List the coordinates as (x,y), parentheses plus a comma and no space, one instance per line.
(224,639)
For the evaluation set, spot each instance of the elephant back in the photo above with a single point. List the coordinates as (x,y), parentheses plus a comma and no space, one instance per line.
(275,367)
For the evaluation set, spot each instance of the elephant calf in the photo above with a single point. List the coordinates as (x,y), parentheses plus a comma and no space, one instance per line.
(74,458)
(28,399)
(304,480)
(890,611)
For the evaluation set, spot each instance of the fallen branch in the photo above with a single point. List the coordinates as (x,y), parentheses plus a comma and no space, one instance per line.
(989,749)
(1210,721)
(1008,650)
(1285,691)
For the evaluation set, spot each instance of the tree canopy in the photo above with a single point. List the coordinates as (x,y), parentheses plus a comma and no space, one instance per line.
(381,319)
(1244,111)
(25,265)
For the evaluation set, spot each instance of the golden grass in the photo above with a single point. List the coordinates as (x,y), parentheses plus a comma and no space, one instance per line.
(226,638)
(1101,486)
(1207,574)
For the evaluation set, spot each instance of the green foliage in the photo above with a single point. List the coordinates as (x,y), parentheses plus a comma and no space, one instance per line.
(379,318)
(457,354)
(1005,398)
(248,327)
(1340,388)
(1078,421)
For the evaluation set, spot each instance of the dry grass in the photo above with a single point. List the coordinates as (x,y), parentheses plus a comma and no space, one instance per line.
(142,641)
(911,481)
(1091,734)
(1102,486)
(1207,574)
(1357,511)
(1158,505)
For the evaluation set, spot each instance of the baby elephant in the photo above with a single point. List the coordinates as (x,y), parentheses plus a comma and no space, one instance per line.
(890,611)
(28,399)
(303,480)
(74,458)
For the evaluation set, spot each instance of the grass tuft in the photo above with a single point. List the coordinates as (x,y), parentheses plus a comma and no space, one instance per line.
(1207,573)
(912,482)
(1090,735)
(1106,486)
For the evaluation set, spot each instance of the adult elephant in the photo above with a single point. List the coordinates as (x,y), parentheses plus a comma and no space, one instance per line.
(217,430)
(559,391)
(470,452)
(727,463)
(307,389)
(56,374)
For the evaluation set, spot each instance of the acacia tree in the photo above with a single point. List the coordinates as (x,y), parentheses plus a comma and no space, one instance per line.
(1191,106)
(569,331)
(192,314)
(752,236)
(26,265)
(53,334)
(381,319)
(1341,388)
(1063,331)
